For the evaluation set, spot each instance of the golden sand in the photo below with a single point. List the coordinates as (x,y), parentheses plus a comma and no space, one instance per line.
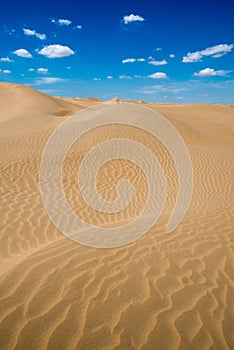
(162,292)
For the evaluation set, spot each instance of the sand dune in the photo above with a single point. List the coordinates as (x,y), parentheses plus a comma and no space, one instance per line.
(160,292)
(17,100)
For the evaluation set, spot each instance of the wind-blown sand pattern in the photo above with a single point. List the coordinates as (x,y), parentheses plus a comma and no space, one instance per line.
(162,291)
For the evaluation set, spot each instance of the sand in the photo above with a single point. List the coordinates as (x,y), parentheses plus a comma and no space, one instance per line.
(162,292)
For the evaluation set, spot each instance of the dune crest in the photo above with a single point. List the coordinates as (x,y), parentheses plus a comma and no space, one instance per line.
(21,100)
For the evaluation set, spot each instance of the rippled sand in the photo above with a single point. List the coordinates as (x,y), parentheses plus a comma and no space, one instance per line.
(162,292)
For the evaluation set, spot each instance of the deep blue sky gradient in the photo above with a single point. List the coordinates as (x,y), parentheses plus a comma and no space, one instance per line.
(104,41)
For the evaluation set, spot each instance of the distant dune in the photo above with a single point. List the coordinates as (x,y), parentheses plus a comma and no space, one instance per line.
(20,99)
(162,292)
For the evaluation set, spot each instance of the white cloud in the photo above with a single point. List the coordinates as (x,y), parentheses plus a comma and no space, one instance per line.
(5,59)
(217,55)
(61,21)
(210,72)
(129,60)
(217,50)
(22,53)
(172,55)
(97,79)
(158,63)
(79,26)
(125,77)
(5,71)
(158,49)
(48,81)
(213,51)
(132,60)
(31,69)
(42,70)
(158,75)
(64,22)
(34,33)
(56,51)
(192,57)
(132,18)
(109,77)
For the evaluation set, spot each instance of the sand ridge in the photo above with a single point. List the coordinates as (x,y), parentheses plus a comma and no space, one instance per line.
(160,292)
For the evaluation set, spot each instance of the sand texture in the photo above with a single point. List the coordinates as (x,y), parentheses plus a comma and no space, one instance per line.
(162,292)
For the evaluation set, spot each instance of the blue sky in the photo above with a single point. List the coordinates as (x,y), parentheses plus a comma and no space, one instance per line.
(155,51)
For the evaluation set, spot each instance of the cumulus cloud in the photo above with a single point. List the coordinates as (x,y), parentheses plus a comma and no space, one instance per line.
(124,76)
(158,49)
(132,60)
(172,55)
(5,71)
(97,79)
(23,53)
(31,69)
(5,59)
(56,51)
(61,22)
(210,72)
(42,70)
(213,51)
(132,18)
(158,75)
(48,81)
(217,50)
(192,57)
(129,60)
(109,77)
(158,63)
(34,33)
(64,22)
(79,26)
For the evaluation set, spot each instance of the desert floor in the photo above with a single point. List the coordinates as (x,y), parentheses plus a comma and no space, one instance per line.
(161,292)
